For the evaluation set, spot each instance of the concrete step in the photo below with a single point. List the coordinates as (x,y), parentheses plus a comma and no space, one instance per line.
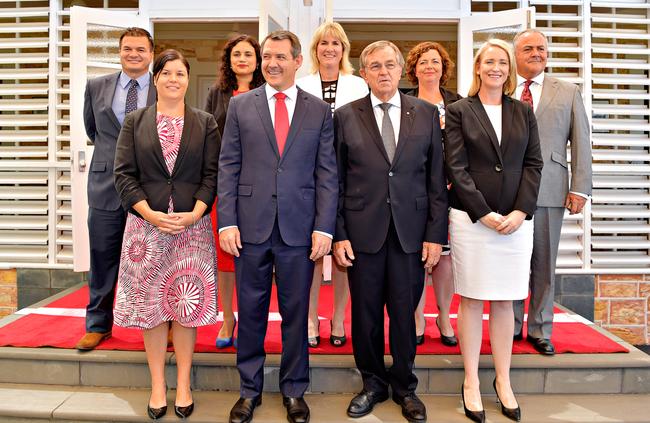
(20,403)
(438,374)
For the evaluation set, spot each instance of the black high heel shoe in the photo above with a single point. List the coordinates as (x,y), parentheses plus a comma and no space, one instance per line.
(450,341)
(337,341)
(511,413)
(475,416)
(314,341)
(185,411)
(156,413)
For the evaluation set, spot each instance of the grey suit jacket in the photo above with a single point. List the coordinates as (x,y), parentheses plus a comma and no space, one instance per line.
(561,118)
(103,128)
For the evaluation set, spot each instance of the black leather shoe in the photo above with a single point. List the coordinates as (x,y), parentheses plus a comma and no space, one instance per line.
(364,402)
(450,341)
(511,413)
(518,336)
(184,412)
(475,416)
(412,408)
(419,339)
(242,411)
(543,346)
(297,409)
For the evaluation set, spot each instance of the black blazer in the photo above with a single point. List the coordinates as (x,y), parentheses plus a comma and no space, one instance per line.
(412,190)
(484,175)
(448,96)
(140,169)
(217,106)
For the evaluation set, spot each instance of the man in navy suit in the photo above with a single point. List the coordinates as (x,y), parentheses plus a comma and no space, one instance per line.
(108,99)
(278,193)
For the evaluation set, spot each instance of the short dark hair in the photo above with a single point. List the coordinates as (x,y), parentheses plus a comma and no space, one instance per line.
(168,55)
(134,31)
(285,35)
(228,79)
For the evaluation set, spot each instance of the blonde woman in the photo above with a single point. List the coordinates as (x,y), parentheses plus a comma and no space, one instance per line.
(494,164)
(331,79)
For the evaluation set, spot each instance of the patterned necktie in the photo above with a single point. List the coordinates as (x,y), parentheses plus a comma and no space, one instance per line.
(281,121)
(131,97)
(526,95)
(387,132)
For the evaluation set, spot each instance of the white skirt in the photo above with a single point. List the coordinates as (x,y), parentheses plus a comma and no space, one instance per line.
(487,265)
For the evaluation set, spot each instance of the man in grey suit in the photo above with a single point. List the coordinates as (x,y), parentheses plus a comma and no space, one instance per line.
(108,99)
(561,118)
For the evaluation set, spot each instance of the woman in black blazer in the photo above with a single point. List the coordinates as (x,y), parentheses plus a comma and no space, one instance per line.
(166,166)
(240,72)
(494,164)
(429,66)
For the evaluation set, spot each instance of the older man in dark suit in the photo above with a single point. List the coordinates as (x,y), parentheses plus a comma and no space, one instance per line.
(277,201)
(108,99)
(391,224)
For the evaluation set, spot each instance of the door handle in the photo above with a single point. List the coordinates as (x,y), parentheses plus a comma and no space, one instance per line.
(81,160)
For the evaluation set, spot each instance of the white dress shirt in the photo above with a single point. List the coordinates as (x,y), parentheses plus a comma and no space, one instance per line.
(394,112)
(535,88)
(290,100)
(494,112)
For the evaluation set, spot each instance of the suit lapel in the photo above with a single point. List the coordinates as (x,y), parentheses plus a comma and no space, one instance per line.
(110,84)
(262,106)
(150,132)
(299,113)
(189,122)
(225,99)
(549,91)
(484,120)
(405,126)
(152,94)
(506,122)
(369,121)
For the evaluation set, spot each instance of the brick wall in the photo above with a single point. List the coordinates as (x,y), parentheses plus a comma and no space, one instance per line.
(621,306)
(8,292)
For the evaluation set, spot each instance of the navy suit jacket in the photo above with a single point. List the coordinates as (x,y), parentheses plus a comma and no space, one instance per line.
(103,128)
(256,185)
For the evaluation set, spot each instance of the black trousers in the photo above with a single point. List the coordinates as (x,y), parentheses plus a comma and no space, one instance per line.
(394,279)
(105,230)
(293,274)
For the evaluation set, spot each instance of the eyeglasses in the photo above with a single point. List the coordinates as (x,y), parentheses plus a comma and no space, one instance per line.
(376,67)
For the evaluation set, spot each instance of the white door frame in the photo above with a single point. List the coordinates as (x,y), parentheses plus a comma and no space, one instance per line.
(80,151)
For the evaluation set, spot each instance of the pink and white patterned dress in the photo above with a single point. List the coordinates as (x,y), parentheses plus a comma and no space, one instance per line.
(165,277)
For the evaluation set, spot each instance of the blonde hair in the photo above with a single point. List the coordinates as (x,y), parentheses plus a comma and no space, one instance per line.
(335,30)
(511,83)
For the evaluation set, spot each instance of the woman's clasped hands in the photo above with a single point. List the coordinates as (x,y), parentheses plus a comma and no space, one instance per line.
(505,225)
(171,223)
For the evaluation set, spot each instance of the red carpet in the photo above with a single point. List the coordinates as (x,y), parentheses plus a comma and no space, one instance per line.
(39,330)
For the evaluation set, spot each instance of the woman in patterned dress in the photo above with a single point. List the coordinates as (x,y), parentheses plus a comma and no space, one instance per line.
(332,80)
(240,72)
(429,66)
(166,174)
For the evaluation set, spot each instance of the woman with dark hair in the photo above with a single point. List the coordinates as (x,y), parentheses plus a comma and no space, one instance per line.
(240,72)
(166,174)
(428,66)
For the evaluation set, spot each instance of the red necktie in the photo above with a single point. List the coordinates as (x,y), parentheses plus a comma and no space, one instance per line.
(526,95)
(281,121)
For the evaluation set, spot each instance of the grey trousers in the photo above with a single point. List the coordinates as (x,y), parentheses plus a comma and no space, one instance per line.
(548,225)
